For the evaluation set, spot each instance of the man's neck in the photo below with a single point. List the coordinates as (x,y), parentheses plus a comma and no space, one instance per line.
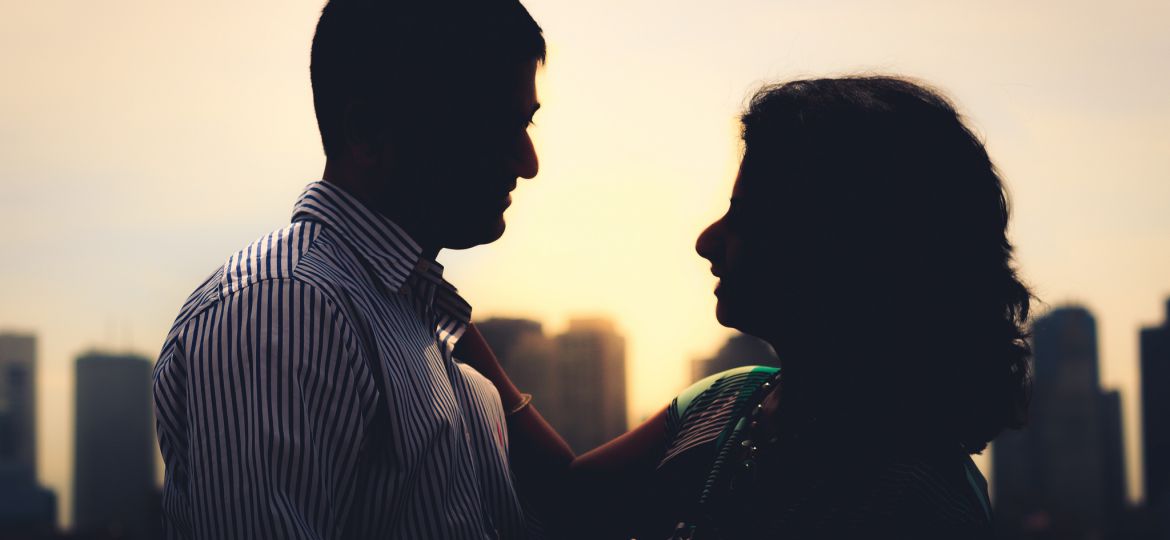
(379,197)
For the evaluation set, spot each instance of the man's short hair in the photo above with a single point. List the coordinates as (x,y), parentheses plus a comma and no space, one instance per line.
(409,60)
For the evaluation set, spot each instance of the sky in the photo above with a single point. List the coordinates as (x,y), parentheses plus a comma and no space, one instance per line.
(143,142)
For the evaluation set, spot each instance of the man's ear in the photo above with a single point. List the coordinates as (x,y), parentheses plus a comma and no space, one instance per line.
(364,133)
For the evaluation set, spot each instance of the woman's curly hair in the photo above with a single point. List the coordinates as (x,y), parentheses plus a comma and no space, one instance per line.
(899,219)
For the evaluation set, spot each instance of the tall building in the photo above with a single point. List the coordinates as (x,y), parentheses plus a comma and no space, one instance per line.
(591,380)
(577,379)
(739,350)
(18,407)
(505,334)
(1155,365)
(1062,476)
(26,508)
(528,356)
(1113,462)
(113,462)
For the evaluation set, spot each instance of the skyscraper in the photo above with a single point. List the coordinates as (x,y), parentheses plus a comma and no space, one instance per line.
(529,357)
(18,406)
(1113,460)
(1155,364)
(591,381)
(577,379)
(739,350)
(504,334)
(25,507)
(1059,477)
(113,471)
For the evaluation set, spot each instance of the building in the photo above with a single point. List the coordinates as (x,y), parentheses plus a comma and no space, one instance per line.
(1113,466)
(18,406)
(528,357)
(113,462)
(25,507)
(1155,366)
(524,352)
(1062,476)
(505,334)
(591,380)
(739,350)
(577,379)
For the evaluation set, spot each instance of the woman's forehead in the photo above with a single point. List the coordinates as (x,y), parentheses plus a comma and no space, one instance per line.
(758,180)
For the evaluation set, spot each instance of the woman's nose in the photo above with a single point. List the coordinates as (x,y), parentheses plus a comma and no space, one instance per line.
(710,240)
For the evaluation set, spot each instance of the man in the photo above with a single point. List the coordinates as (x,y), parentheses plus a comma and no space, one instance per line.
(307,388)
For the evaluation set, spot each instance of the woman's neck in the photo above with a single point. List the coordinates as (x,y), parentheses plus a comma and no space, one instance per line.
(839,394)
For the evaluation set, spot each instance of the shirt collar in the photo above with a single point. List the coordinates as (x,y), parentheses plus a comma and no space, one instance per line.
(392,254)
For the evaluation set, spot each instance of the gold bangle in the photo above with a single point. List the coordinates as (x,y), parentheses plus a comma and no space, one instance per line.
(525,399)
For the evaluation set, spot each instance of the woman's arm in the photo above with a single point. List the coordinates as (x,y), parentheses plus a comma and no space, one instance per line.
(537,451)
(605,488)
(616,481)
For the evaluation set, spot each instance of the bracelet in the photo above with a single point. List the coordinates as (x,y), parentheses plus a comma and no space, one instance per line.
(525,400)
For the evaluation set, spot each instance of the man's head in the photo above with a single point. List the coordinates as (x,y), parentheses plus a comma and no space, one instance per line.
(425,106)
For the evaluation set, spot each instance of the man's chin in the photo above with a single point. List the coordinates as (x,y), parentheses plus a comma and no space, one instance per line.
(478,236)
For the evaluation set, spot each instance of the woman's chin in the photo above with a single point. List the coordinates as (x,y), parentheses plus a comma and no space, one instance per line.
(725,314)
(751,322)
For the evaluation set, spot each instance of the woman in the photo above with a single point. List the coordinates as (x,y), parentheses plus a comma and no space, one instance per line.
(866,242)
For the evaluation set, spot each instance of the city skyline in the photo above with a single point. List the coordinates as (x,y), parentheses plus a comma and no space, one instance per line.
(127,122)
(1061,477)
(1064,335)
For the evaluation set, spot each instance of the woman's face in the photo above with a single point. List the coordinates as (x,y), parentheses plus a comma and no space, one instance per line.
(746,255)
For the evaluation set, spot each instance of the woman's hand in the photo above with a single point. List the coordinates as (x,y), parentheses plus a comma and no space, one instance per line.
(472,349)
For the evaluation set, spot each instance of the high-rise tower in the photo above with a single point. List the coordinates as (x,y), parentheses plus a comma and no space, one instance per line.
(113,461)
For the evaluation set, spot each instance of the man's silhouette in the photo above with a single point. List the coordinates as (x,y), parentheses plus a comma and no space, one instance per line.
(307,388)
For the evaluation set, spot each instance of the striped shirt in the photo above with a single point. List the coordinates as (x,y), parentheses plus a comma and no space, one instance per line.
(307,390)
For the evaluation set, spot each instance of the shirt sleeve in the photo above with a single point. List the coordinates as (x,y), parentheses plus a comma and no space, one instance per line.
(263,405)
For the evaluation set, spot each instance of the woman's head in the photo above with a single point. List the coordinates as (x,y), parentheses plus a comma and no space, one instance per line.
(867,239)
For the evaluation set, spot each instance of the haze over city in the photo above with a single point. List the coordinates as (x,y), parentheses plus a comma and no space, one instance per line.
(144,142)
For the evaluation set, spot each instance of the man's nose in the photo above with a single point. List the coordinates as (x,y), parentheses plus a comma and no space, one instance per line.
(526,162)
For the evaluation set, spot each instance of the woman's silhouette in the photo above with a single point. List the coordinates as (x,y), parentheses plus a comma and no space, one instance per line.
(866,242)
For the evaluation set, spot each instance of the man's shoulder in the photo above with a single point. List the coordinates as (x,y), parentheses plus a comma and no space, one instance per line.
(274,256)
(279,258)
